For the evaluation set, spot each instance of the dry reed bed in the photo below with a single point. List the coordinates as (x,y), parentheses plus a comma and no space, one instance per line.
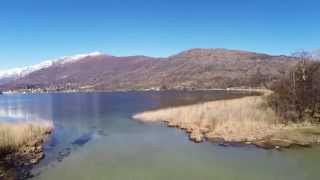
(245,119)
(15,135)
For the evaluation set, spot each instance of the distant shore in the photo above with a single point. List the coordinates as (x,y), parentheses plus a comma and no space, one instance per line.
(237,121)
(41,91)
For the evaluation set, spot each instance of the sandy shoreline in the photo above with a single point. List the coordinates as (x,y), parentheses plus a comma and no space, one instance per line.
(244,120)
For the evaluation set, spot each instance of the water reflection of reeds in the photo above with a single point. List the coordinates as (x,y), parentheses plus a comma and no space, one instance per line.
(17,109)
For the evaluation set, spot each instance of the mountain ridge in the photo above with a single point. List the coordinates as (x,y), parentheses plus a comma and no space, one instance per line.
(191,69)
(15,73)
(315,54)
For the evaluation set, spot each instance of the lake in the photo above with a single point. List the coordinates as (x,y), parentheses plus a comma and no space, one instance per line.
(95,138)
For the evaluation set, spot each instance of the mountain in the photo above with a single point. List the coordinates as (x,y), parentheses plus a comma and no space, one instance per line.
(191,69)
(315,54)
(16,73)
(13,74)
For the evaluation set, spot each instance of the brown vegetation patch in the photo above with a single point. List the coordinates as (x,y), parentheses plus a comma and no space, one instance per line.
(21,147)
(243,120)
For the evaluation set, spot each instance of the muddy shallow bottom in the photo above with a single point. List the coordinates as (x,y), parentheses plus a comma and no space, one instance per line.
(95,138)
(172,156)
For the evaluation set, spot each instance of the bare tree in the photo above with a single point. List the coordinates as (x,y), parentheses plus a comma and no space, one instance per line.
(297,95)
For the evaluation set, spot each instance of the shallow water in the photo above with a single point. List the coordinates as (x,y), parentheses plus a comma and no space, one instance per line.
(95,138)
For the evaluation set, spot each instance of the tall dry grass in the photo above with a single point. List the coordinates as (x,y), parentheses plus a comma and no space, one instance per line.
(243,119)
(15,135)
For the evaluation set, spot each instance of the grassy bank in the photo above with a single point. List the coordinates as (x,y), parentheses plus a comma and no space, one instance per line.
(244,120)
(15,135)
(21,147)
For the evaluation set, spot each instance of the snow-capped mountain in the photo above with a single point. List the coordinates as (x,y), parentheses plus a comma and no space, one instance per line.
(75,58)
(19,72)
(194,69)
(12,74)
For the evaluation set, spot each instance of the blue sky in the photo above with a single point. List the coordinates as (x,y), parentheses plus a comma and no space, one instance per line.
(34,30)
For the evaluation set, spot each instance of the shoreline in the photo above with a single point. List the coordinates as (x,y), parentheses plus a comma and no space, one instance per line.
(17,163)
(235,121)
(197,135)
(251,90)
